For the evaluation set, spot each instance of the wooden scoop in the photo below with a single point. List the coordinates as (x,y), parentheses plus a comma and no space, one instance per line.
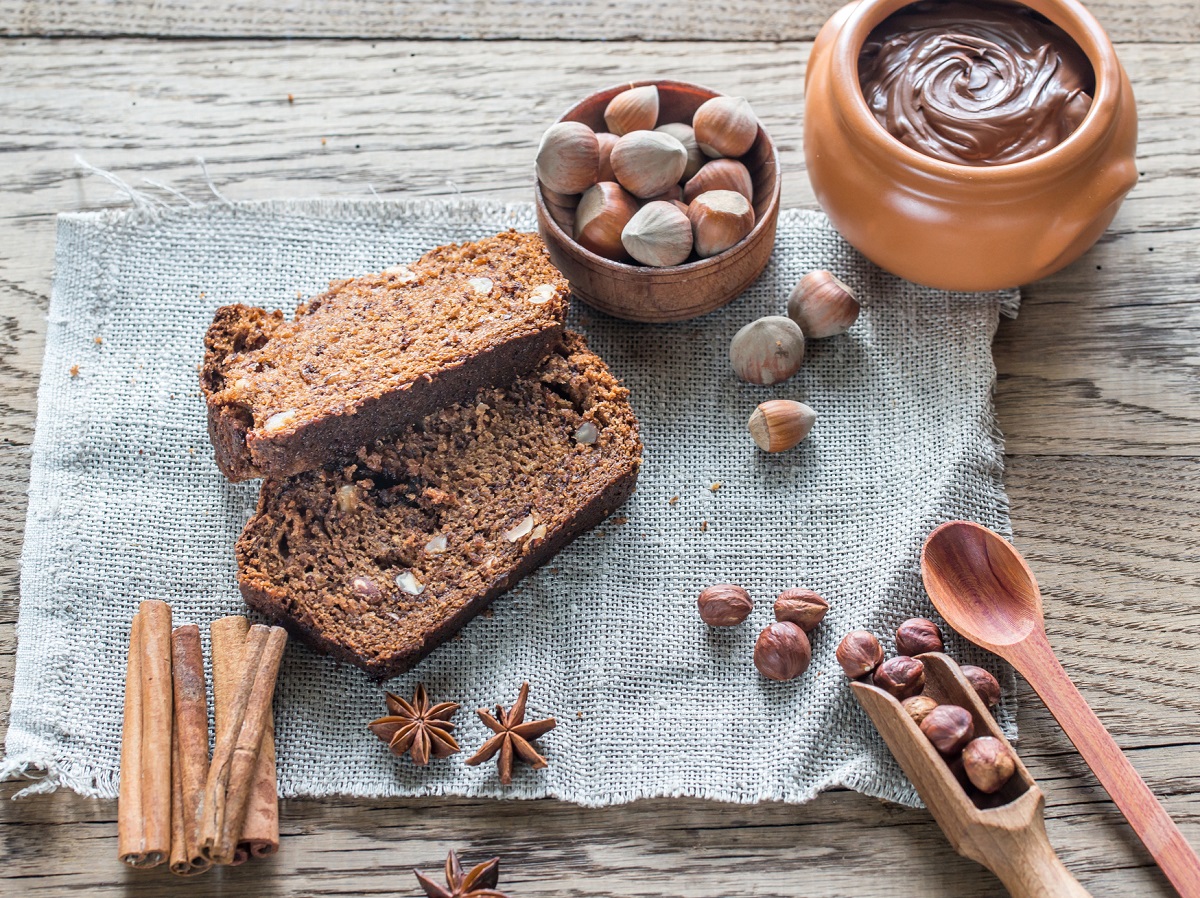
(1005,832)
(982,587)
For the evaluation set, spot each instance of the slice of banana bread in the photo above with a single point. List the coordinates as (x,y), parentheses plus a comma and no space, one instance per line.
(376,353)
(379,561)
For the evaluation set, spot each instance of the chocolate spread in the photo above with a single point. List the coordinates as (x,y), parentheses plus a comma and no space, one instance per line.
(975,83)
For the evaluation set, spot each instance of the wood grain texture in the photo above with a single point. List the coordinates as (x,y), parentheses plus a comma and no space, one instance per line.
(756,20)
(1099,396)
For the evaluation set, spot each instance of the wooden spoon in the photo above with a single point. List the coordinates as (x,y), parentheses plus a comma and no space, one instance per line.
(983,588)
(1005,832)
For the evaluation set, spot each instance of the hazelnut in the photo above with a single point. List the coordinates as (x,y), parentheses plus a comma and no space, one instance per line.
(901,676)
(988,763)
(782,651)
(566,200)
(281,420)
(918,707)
(601,216)
(564,215)
(720,219)
(365,588)
(859,653)
(568,158)
(948,727)
(985,685)
(672,194)
(780,424)
(917,636)
(347,498)
(683,132)
(607,142)
(724,605)
(635,109)
(822,305)
(802,607)
(646,163)
(659,235)
(767,351)
(720,174)
(725,126)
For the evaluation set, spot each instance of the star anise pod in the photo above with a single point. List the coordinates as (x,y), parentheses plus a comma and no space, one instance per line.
(479,883)
(513,737)
(417,728)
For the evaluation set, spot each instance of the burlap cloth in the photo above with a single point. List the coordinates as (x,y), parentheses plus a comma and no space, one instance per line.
(125,503)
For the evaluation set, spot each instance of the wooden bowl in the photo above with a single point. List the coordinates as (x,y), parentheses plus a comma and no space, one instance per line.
(641,293)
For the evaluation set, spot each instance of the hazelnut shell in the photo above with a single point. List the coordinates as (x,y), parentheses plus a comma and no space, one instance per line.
(635,109)
(767,351)
(720,174)
(659,235)
(780,424)
(568,158)
(822,305)
(646,163)
(725,126)
(683,132)
(600,218)
(720,219)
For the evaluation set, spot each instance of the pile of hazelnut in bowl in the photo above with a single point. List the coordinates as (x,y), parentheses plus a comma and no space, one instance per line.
(658,200)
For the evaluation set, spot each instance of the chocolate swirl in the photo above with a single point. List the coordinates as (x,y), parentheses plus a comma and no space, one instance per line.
(975,84)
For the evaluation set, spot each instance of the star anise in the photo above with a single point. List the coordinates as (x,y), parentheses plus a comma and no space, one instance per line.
(417,728)
(513,737)
(479,883)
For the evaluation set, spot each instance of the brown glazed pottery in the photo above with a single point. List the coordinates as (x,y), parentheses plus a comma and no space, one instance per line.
(964,227)
(638,293)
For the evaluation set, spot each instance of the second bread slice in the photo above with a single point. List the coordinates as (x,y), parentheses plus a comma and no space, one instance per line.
(376,353)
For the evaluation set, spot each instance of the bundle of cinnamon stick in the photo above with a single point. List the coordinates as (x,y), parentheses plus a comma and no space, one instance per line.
(175,805)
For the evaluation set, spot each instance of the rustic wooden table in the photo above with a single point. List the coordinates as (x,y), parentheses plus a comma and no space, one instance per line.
(1098,395)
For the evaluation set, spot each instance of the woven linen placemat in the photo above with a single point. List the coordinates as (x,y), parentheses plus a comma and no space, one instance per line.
(125,503)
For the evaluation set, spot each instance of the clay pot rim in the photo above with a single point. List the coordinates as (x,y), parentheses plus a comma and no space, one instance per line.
(700,265)
(1069,15)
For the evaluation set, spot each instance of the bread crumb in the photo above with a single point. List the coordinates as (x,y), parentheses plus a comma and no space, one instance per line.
(716,486)
(621,520)
(579,715)
(322,141)
(74,370)
(674,500)
(99,340)
(488,613)
(291,99)
(704,526)
(191,450)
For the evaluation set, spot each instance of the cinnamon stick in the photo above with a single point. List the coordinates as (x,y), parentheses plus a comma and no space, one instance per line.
(191,743)
(230,778)
(131,836)
(260,832)
(148,718)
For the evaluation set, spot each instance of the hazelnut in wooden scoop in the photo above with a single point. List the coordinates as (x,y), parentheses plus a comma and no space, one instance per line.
(782,651)
(725,126)
(720,219)
(778,425)
(724,605)
(568,158)
(659,235)
(635,109)
(767,351)
(948,727)
(988,763)
(600,218)
(901,676)
(822,305)
(646,163)
(918,707)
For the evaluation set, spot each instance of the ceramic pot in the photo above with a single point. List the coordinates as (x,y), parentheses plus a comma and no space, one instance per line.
(640,293)
(964,227)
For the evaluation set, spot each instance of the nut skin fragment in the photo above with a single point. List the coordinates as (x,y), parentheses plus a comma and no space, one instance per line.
(802,607)
(985,685)
(949,728)
(782,651)
(917,636)
(988,763)
(918,707)
(901,676)
(724,605)
(859,653)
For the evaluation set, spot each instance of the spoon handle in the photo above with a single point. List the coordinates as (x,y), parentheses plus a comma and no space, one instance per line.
(1149,819)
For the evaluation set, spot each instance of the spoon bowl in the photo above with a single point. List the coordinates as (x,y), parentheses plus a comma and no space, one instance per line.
(983,584)
(982,587)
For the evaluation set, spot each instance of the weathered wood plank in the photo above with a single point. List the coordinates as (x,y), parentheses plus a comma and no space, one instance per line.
(1102,359)
(757,20)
